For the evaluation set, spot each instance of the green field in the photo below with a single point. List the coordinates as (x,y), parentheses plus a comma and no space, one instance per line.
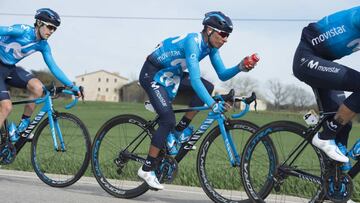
(94,114)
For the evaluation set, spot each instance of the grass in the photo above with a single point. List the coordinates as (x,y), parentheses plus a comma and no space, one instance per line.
(94,114)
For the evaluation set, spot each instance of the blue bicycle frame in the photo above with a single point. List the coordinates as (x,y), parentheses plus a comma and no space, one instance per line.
(46,109)
(226,135)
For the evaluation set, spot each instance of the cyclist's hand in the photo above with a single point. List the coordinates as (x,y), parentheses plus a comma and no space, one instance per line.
(248,63)
(218,107)
(76,90)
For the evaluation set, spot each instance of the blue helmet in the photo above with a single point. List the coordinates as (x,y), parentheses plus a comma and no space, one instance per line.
(48,15)
(218,20)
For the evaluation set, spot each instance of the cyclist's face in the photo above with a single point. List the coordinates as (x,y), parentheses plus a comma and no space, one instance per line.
(46,30)
(217,39)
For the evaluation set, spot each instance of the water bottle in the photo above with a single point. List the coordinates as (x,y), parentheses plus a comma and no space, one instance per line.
(251,60)
(171,144)
(186,133)
(354,153)
(345,166)
(13,134)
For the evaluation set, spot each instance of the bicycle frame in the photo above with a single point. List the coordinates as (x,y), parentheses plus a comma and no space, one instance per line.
(288,170)
(54,125)
(187,146)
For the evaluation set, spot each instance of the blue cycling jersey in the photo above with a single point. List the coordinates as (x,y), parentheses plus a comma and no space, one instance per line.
(336,35)
(19,41)
(177,54)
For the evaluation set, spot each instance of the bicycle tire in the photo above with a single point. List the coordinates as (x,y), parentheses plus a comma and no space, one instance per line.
(107,144)
(216,175)
(61,169)
(264,168)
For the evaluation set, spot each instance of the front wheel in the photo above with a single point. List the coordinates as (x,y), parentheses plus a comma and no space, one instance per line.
(219,179)
(61,168)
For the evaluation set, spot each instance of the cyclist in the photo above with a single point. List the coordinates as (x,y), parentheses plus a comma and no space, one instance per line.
(17,42)
(163,73)
(322,42)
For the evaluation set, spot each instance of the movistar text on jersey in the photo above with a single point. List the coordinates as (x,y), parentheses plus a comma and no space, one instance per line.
(328,34)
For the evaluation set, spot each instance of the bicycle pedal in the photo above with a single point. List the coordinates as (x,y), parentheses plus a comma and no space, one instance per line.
(153,189)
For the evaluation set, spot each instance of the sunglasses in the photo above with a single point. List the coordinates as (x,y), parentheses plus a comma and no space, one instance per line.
(49,26)
(221,33)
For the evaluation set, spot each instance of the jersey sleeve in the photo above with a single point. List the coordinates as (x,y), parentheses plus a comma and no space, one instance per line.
(192,63)
(55,70)
(222,72)
(356,18)
(14,30)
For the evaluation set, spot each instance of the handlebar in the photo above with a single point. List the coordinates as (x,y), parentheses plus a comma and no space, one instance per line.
(52,90)
(247,101)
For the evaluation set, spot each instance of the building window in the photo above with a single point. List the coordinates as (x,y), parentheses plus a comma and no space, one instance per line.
(99,79)
(107,79)
(99,89)
(107,90)
(115,80)
(82,79)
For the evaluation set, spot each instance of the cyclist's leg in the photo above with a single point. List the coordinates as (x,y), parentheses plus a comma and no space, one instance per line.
(163,107)
(5,102)
(25,80)
(321,73)
(330,100)
(185,86)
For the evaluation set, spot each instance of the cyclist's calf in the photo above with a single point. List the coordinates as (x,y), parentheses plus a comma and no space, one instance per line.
(166,123)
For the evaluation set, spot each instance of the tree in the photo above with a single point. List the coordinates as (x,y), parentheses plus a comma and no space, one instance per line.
(278,92)
(299,97)
(242,85)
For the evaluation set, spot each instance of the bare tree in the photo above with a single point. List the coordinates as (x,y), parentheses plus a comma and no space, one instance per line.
(299,97)
(242,85)
(278,92)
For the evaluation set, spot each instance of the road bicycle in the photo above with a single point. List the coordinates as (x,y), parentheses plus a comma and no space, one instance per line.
(60,145)
(121,146)
(280,164)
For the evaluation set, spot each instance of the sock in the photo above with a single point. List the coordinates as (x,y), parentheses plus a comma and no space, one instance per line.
(149,163)
(183,123)
(330,129)
(25,116)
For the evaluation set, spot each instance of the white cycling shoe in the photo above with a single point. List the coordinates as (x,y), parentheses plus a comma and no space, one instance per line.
(150,178)
(330,148)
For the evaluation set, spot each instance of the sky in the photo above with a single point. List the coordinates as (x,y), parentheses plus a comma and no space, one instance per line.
(119,37)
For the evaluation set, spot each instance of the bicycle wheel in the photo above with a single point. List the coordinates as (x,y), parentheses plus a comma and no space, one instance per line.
(221,181)
(61,168)
(265,167)
(115,174)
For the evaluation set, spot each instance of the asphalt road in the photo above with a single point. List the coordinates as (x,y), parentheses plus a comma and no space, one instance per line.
(17,186)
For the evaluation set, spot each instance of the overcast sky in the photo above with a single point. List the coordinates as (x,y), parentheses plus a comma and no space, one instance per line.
(120,44)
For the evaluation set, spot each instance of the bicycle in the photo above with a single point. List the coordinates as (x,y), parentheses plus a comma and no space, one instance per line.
(121,145)
(288,165)
(60,145)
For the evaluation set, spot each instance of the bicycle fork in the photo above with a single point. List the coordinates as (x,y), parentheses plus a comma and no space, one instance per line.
(229,144)
(56,133)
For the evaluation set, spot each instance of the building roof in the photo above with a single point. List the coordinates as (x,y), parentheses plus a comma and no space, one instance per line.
(91,73)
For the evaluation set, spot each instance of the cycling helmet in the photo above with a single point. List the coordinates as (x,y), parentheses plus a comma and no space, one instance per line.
(48,15)
(218,20)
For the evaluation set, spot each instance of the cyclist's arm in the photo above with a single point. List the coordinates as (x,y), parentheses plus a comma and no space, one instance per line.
(11,31)
(192,63)
(222,72)
(55,70)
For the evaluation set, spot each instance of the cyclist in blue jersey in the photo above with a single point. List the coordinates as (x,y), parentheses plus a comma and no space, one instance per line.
(173,66)
(322,42)
(17,42)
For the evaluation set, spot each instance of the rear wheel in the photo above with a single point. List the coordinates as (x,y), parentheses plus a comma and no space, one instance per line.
(116,174)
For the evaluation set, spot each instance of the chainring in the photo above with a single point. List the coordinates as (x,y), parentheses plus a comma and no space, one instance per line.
(7,153)
(338,189)
(167,169)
